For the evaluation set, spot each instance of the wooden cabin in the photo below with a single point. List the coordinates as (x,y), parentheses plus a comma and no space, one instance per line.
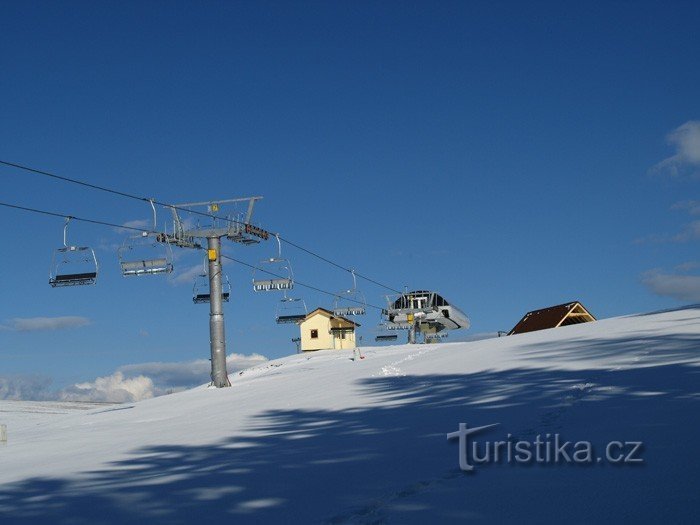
(553,317)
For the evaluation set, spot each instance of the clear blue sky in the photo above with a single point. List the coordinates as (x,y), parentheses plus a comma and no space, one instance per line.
(509,155)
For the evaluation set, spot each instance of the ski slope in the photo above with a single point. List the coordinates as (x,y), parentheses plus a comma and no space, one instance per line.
(320,438)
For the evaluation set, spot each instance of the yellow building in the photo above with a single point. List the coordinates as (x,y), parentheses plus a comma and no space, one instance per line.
(321,330)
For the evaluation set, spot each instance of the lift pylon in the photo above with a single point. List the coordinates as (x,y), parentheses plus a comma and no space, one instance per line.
(236,228)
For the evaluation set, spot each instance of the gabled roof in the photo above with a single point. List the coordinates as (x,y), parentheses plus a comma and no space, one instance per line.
(339,321)
(553,317)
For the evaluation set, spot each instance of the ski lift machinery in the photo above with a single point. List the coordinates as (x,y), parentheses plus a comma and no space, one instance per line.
(72,265)
(350,302)
(144,254)
(423,311)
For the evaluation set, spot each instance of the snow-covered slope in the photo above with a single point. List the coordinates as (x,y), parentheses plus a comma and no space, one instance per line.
(321,438)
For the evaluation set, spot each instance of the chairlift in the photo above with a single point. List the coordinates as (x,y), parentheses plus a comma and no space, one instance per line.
(281,266)
(72,265)
(384,333)
(201,291)
(144,254)
(291,310)
(350,302)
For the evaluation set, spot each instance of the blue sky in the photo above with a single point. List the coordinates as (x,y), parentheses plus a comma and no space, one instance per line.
(509,155)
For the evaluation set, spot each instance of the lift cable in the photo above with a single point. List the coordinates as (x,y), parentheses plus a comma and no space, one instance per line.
(296,282)
(349,270)
(180,208)
(142,230)
(73,217)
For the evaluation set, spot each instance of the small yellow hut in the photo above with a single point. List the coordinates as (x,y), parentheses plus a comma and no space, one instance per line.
(321,330)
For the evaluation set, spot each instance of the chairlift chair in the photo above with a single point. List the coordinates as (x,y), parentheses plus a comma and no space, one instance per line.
(201,292)
(282,266)
(383,333)
(291,310)
(72,265)
(144,254)
(350,302)
(272,285)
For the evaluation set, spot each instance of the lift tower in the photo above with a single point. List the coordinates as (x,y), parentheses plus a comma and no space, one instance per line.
(234,228)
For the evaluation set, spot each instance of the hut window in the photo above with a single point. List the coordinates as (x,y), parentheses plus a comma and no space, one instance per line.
(314,334)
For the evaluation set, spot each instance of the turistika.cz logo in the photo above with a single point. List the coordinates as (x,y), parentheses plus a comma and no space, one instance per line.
(548,449)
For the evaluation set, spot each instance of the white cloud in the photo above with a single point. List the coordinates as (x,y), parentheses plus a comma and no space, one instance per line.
(187,276)
(690,232)
(681,287)
(33,324)
(112,389)
(140,224)
(686,160)
(692,207)
(171,377)
(35,388)
(236,362)
(687,266)
(128,383)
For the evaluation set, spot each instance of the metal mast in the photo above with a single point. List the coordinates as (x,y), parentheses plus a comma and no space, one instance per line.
(236,229)
(217,336)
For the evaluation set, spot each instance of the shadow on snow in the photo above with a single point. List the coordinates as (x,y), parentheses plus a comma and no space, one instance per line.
(390,461)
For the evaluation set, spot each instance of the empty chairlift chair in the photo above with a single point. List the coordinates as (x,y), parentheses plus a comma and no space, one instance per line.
(144,255)
(384,334)
(72,265)
(350,302)
(280,270)
(291,310)
(201,291)
(272,285)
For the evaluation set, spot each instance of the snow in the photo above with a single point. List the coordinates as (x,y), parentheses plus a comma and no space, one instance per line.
(321,438)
